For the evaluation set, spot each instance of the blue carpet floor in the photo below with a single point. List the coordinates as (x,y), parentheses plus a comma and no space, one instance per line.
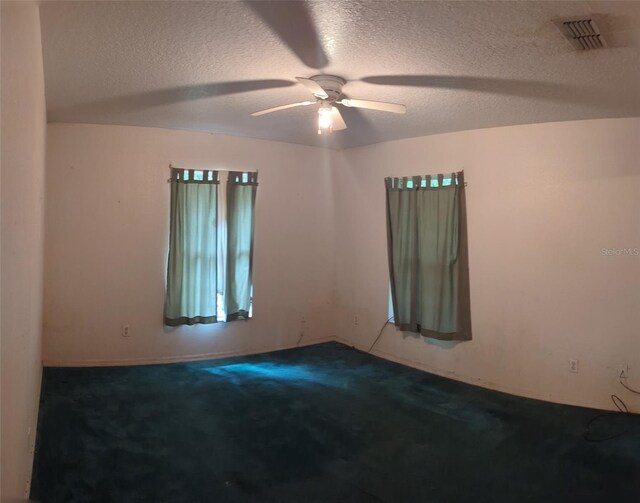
(322,423)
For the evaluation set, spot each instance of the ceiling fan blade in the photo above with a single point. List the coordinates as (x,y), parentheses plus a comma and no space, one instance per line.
(283,107)
(337,120)
(313,86)
(293,23)
(375,105)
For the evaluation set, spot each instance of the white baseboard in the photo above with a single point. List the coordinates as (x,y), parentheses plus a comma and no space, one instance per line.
(511,390)
(31,441)
(154,360)
(527,393)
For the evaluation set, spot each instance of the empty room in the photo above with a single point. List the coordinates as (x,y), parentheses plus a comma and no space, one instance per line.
(320,251)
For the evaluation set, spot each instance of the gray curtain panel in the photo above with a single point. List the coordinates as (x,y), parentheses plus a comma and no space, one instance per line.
(427,249)
(191,270)
(241,198)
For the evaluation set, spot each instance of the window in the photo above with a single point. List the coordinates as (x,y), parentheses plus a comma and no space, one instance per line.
(427,248)
(447,180)
(210,247)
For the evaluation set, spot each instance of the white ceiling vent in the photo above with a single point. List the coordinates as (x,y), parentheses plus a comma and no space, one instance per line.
(583,34)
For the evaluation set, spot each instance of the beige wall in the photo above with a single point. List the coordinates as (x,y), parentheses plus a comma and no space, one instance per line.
(543,201)
(107,219)
(22,181)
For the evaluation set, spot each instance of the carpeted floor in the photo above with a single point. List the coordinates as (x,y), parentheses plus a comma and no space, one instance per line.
(323,423)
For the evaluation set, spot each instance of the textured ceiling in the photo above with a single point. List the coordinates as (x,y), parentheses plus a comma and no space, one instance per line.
(206,66)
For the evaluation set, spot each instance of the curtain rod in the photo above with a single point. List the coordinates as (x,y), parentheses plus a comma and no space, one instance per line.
(436,175)
(171,166)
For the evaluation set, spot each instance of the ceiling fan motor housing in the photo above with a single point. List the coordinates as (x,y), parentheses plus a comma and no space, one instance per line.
(331,84)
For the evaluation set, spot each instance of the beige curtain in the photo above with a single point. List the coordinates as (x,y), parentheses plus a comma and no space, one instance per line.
(427,249)
(191,269)
(241,199)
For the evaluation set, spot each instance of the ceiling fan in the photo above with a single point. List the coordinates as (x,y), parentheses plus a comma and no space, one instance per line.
(327,90)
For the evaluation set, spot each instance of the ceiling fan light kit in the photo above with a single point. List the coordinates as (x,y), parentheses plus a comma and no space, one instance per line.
(325,119)
(327,89)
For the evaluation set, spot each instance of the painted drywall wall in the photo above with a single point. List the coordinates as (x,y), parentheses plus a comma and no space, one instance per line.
(545,204)
(107,221)
(22,180)
(544,201)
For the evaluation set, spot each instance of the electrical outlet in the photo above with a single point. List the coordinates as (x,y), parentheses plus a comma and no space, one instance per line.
(356,321)
(573,366)
(623,371)
(126,330)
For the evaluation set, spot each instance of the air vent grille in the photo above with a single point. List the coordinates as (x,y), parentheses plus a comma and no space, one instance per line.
(583,34)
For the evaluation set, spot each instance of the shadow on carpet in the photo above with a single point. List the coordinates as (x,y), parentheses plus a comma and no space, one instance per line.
(321,423)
